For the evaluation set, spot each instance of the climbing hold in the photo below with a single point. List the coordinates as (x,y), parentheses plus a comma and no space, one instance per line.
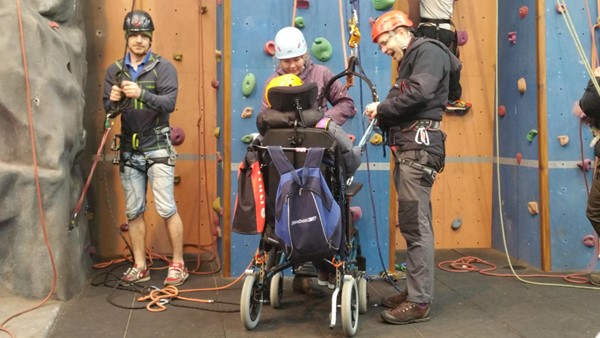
(176,179)
(248,84)
(523,11)
(522,85)
(269,48)
(533,208)
(217,132)
(299,22)
(512,37)
(215,83)
(585,165)
(53,25)
(376,139)
(563,140)
(218,55)
(589,241)
(219,157)
(501,110)
(322,49)
(203,9)
(124,227)
(356,213)
(462,37)
(519,158)
(177,57)
(177,136)
(531,135)
(371,22)
(216,205)
(352,137)
(247,112)
(456,223)
(561,8)
(248,138)
(303,4)
(382,5)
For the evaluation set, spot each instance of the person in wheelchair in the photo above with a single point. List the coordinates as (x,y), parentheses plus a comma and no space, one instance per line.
(277,114)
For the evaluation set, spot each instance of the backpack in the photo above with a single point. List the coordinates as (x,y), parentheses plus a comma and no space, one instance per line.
(307,217)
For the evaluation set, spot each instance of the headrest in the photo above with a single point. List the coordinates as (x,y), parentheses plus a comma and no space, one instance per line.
(284,98)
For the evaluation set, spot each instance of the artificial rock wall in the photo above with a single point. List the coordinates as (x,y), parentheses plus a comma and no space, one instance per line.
(54,43)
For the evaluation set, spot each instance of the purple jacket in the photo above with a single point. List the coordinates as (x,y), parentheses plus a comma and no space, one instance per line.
(342,105)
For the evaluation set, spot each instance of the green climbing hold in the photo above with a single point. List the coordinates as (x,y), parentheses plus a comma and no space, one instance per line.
(248,138)
(382,5)
(249,84)
(531,135)
(322,49)
(299,22)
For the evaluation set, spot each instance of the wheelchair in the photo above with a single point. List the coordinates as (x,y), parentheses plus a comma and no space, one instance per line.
(263,282)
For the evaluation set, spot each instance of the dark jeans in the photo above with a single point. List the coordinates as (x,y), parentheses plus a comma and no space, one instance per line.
(448,38)
(593,202)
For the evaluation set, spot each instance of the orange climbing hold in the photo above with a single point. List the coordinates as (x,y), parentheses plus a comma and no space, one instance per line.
(533,208)
(523,11)
(563,140)
(522,85)
(519,158)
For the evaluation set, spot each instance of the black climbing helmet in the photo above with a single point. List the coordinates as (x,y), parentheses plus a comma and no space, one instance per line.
(138,21)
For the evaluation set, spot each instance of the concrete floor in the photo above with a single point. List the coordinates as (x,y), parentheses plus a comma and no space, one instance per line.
(466,305)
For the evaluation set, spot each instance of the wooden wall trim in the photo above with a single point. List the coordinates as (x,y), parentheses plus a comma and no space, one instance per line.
(226,136)
(543,137)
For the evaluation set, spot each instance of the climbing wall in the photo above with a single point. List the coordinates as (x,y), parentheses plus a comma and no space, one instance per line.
(190,48)
(462,195)
(536,167)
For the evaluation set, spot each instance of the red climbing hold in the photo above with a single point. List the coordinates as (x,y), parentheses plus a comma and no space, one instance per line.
(519,158)
(215,84)
(586,165)
(177,136)
(523,11)
(303,4)
(269,48)
(462,37)
(589,241)
(501,110)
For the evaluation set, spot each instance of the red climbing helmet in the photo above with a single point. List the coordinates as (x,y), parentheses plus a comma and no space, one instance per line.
(388,22)
(138,21)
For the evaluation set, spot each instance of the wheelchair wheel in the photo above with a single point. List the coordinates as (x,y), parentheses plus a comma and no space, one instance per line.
(363,295)
(250,302)
(276,290)
(350,307)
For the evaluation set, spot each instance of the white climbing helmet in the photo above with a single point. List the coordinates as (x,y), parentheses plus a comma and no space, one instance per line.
(289,43)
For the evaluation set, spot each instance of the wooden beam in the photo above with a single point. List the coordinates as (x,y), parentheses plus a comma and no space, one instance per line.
(226,136)
(546,255)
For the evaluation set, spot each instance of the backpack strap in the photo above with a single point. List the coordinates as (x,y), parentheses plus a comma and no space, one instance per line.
(282,164)
(314,157)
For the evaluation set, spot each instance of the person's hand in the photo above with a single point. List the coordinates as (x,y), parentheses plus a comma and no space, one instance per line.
(131,89)
(115,94)
(371,110)
(597,72)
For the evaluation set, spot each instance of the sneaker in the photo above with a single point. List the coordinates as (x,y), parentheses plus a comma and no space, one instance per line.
(394,301)
(302,284)
(595,278)
(177,274)
(408,312)
(331,283)
(136,275)
(322,278)
(458,106)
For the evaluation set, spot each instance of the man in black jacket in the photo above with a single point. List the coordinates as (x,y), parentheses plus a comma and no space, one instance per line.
(143,89)
(590,105)
(411,117)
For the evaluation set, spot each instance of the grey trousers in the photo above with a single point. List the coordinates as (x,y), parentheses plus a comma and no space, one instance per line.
(593,202)
(413,187)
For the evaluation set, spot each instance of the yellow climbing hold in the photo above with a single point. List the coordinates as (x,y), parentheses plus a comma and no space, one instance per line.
(217,132)
(376,139)
(216,205)
(522,85)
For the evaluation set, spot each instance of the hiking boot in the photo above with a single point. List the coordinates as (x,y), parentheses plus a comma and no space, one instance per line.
(177,274)
(322,278)
(458,106)
(595,278)
(394,301)
(302,284)
(408,312)
(136,275)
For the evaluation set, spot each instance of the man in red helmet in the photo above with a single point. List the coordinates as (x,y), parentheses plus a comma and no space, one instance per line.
(410,117)
(143,88)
